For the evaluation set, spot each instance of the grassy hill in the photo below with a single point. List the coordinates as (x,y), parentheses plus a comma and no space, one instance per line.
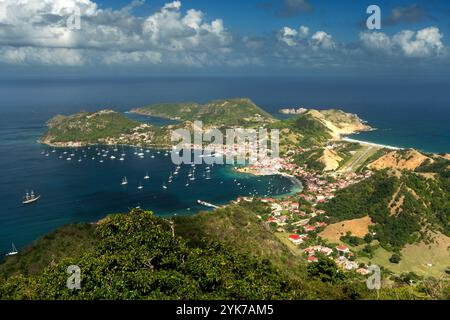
(140,256)
(302,130)
(238,226)
(405,207)
(232,112)
(68,241)
(88,127)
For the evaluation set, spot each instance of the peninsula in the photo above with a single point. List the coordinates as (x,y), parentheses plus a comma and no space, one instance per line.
(361,205)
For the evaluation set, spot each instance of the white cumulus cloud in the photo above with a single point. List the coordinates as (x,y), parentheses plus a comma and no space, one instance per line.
(424,43)
(106,35)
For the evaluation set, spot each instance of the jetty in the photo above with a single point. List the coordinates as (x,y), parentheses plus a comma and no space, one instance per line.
(206,204)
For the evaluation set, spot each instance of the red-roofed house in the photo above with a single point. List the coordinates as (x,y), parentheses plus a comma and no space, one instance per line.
(295,239)
(309,228)
(343,249)
(312,259)
(310,251)
(363,271)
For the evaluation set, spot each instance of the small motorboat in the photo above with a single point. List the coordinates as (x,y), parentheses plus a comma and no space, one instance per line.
(30,198)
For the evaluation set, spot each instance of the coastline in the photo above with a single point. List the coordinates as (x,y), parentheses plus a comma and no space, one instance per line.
(298,185)
(372,144)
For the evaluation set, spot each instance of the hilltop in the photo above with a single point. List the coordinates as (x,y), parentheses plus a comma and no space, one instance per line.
(101,127)
(402,160)
(232,112)
(338,122)
(313,128)
(141,256)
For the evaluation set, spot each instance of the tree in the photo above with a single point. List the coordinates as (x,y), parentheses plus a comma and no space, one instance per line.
(325,269)
(395,258)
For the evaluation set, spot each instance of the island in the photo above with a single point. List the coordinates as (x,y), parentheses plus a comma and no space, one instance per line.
(361,205)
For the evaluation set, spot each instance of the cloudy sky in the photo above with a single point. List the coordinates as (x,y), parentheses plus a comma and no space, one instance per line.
(283,37)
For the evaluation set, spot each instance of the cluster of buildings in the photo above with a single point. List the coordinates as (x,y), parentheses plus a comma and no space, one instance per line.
(294,214)
(141,135)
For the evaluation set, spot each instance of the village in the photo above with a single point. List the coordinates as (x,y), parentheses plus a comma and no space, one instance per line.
(297,217)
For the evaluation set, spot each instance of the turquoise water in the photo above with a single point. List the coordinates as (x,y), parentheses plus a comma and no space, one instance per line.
(407,113)
(86,191)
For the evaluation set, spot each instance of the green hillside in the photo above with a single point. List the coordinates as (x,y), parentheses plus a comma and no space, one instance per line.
(88,127)
(232,112)
(140,256)
(404,207)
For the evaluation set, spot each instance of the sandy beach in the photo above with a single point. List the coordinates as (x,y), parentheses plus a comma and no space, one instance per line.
(371,144)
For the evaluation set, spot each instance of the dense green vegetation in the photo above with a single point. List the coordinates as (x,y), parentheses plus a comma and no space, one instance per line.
(403,208)
(232,112)
(140,256)
(69,241)
(88,127)
(311,131)
(311,159)
(238,227)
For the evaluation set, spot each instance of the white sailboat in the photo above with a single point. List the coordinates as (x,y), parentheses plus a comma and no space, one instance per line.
(13,251)
(147,176)
(140,187)
(124,181)
(164,186)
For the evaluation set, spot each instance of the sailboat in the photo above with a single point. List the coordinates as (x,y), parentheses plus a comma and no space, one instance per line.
(147,176)
(124,181)
(208,175)
(13,251)
(140,187)
(164,186)
(30,198)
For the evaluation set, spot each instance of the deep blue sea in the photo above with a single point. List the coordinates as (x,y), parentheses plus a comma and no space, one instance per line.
(407,113)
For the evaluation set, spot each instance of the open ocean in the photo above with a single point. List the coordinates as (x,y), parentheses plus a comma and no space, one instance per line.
(407,113)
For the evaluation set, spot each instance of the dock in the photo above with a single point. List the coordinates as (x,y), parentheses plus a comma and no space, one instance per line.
(206,204)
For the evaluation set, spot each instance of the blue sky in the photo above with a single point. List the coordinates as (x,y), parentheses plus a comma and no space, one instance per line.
(344,17)
(282,37)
